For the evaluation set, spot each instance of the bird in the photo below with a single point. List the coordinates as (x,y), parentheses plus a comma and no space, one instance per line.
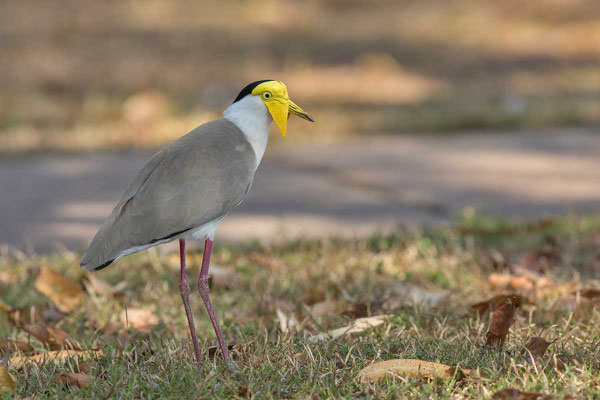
(186,189)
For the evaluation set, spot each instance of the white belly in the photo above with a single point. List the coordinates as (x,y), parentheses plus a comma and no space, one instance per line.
(206,231)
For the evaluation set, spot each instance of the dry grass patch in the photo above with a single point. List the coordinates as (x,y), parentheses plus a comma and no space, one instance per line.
(304,318)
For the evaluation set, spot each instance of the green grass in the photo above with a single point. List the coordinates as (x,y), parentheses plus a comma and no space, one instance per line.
(359,278)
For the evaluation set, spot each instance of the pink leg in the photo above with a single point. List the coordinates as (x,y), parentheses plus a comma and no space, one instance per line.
(204,293)
(184,289)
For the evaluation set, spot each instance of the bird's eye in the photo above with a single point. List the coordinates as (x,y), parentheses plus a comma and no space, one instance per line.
(266,95)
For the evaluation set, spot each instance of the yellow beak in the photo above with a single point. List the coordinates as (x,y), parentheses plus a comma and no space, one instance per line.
(281,108)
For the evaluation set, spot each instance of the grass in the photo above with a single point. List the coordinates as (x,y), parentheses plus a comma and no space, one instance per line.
(388,66)
(320,285)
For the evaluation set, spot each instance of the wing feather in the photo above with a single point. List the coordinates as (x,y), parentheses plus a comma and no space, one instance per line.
(194,180)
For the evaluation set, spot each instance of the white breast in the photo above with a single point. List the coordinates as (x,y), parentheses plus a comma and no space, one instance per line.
(251,115)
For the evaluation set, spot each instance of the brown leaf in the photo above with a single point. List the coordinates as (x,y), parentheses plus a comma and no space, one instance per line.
(319,292)
(510,282)
(97,286)
(495,302)
(64,293)
(139,319)
(459,373)
(23,316)
(357,326)
(516,394)
(560,362)
(363,309)
(55,356)
(32,315)
(75,378)
(537,346)
(324,308)
(7,382)
(84,367)
(243,391)
(8,277)
(502,319)
(214,350)
(412,367)
(15,345)
(286,317)
(590,293)
(53,337)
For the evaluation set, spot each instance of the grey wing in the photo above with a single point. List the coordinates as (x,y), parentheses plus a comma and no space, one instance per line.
(194,180)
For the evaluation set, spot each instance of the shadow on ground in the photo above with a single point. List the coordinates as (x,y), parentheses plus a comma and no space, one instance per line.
(353,188)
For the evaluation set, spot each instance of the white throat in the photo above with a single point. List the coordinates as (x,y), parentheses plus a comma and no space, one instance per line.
(251,115)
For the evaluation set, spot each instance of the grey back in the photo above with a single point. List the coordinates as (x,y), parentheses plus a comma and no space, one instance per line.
(192,181)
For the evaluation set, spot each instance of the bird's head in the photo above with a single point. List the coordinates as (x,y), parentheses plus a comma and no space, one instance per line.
(275,96)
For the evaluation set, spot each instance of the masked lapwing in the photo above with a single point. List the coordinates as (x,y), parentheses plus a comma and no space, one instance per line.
(190,185)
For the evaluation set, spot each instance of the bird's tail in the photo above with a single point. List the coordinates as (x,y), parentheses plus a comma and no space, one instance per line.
(103,250)
(89,266)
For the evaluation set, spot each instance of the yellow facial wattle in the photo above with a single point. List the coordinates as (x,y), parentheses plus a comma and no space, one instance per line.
(274,94)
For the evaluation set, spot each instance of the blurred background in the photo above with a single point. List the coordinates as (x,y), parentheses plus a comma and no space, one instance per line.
(425,109)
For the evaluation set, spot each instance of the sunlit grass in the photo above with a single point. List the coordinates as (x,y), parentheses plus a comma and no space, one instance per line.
(427,282)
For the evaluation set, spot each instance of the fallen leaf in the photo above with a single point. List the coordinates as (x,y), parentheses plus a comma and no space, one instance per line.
(8,277)
(139,319)
(495,302)
(243,391)
(286,322)
(324,308)
(55,356)
(7,382)
(23,316)
(560,361)
(53,337)
(502,319)
(590,293)
(411,367)
(64,293)
(75,378)
(364,309)
(16,345)
(214,350)
(84,367)
(97,286)
(505,281)
(357,326)
(319,292)
(537,346)
(516,394)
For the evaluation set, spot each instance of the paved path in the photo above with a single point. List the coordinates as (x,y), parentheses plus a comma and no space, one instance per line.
(362,185)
